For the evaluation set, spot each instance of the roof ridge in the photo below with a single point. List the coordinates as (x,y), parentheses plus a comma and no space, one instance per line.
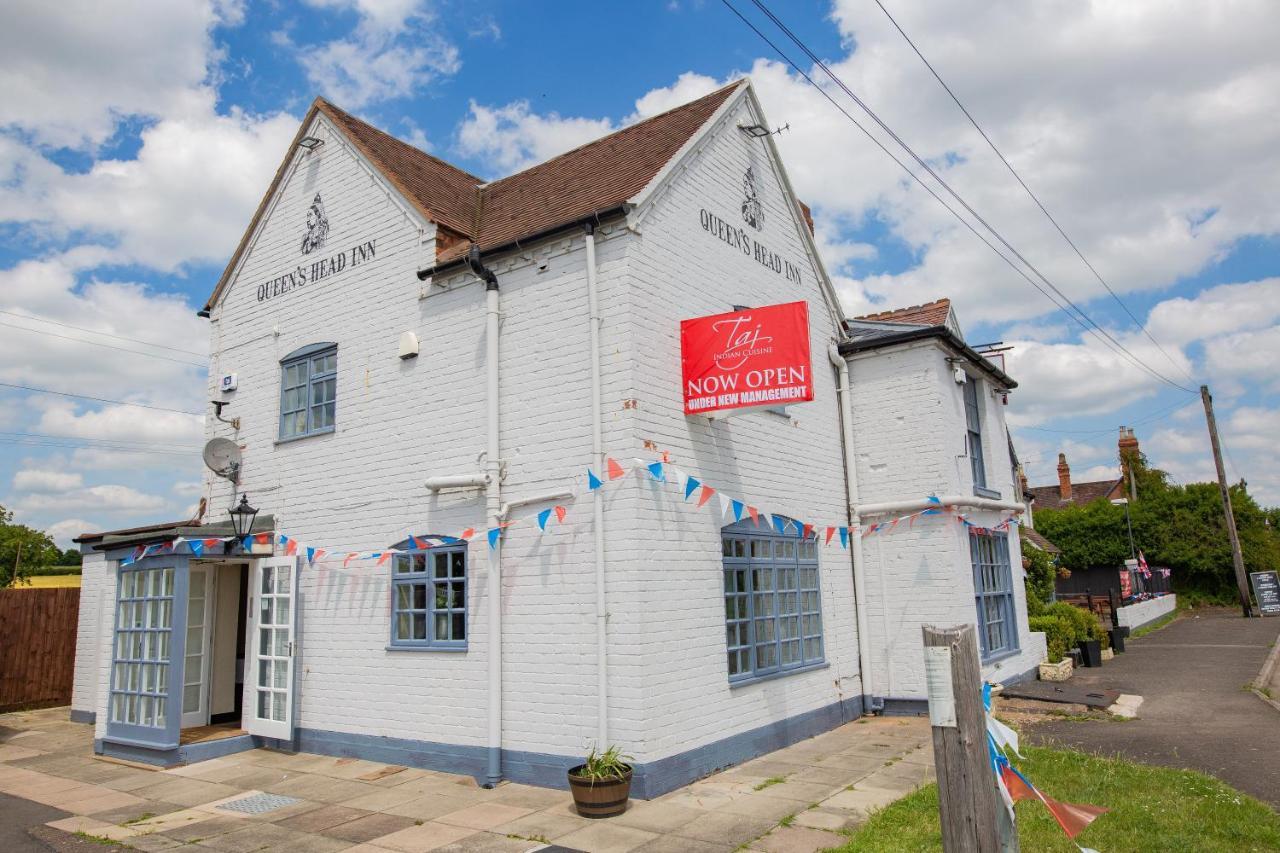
(613,133)
(878,314)
(328,106)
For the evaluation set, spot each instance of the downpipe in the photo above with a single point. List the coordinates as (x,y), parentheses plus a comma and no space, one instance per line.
(845,401)
(597,498)
(493,513)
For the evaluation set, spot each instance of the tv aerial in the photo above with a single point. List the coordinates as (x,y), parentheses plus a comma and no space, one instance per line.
(222,456)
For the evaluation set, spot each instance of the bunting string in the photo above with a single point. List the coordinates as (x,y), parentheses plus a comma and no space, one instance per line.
(695,490)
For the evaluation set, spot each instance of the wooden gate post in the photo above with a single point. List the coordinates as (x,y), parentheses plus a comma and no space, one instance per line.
(968,801)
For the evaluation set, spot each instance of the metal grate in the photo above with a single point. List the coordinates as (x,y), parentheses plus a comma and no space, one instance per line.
(258,803)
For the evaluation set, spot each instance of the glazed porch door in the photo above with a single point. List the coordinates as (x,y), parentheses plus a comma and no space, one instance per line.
(268,706)
(144,706)
(195,672)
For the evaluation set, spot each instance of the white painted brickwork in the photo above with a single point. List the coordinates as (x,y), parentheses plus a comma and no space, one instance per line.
(90,630)
(909,430)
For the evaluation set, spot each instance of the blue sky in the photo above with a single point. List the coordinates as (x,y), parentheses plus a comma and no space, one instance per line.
(135,145)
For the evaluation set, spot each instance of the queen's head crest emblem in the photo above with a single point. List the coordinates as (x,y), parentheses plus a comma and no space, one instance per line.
(752,209)
(317,226)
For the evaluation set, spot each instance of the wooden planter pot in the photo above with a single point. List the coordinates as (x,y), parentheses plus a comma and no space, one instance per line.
(596,798)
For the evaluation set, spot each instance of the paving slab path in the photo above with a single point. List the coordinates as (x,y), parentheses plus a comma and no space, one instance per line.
(794,800)
(1197,711)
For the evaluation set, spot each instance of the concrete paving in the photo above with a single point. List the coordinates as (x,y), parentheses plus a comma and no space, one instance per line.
(1197,711)
(795,800)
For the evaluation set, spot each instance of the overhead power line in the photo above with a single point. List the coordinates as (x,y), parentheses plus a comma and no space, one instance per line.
(1079,316)
(104,334)
(96,399)
(1141,326)
(22,442)
(101,344)
(1158,415)
(123,442)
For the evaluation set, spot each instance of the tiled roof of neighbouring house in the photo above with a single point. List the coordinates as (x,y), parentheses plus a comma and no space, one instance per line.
(590,179)
(1050,497)
(929,314)
(1039,541)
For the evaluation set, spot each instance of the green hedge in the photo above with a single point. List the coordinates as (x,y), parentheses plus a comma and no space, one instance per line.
(1065,627)
(55,570)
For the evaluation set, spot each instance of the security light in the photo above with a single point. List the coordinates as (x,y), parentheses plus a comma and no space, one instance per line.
(311,143)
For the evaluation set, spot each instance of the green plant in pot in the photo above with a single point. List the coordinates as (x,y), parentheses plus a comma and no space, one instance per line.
(601,784)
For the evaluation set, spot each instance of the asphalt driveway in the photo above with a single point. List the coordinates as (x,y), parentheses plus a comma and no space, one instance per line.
(1197,711)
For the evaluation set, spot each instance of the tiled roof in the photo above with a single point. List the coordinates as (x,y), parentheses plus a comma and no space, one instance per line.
(1048,497)
(591,178)
(929,314)
(444,193)
(1034,538)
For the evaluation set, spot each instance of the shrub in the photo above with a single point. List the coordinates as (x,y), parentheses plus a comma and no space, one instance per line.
(1059,636)
(1084,624)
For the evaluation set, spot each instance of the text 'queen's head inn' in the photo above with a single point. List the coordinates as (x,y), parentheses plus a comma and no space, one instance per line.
(586,455)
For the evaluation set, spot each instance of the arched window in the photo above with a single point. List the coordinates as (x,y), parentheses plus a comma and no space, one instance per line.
(772,603)
(308,390)
(429,597)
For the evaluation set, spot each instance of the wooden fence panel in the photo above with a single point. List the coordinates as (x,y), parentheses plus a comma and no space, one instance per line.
(37,646)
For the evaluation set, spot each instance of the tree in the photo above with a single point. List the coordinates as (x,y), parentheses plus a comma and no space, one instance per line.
(22,549)
(1180,527)
(71,557)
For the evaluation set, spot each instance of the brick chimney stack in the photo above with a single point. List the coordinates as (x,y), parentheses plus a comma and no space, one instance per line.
(1128,448)
(1064,478)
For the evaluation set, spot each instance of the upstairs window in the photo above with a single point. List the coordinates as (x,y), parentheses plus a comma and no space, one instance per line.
(973,426)
(429,599)
(308,390)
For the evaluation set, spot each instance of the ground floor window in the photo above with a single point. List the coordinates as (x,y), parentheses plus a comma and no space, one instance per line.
(140,663)
(773,612)
(429,599)
(993,590)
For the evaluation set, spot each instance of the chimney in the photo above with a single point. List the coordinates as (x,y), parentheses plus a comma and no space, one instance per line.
(1129,451)
(1064,478)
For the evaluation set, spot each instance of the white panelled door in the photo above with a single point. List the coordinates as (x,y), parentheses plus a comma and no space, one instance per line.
(195,672)
(268,705)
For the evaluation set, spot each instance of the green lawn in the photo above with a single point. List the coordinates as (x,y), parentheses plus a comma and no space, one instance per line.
(1152,809)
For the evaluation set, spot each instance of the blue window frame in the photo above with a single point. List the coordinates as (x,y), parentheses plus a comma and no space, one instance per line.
(308,390)
(772,603)
(993,592)
(143,705)
(973,426)
(429,599)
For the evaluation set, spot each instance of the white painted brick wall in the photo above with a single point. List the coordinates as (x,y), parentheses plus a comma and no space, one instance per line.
(92,629)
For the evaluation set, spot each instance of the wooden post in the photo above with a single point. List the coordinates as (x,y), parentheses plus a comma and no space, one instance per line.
(968,802)
(1237,559)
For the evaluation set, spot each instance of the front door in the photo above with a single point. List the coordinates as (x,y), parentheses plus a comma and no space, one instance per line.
(268,707)
(195,685)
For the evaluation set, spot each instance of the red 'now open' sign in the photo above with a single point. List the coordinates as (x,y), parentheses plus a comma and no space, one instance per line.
(756,357)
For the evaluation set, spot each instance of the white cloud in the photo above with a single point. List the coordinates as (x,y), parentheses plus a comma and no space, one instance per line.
(69,528)
(688,87)
(513,137)
(108,499)
(392,53)
(46,481)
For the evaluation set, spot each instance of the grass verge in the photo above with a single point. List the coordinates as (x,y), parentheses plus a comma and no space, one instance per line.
(1154,626)
(1152,808)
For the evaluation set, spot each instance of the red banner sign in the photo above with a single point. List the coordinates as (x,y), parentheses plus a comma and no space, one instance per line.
(757,357)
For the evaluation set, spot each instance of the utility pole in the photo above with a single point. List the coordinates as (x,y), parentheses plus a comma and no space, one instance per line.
(1237,558)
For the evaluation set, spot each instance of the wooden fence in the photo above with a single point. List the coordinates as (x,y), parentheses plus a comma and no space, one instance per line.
(37,647)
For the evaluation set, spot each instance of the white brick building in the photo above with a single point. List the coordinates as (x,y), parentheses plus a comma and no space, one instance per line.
(361,316)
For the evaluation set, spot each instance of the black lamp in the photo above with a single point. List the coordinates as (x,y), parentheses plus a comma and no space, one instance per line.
(242,517)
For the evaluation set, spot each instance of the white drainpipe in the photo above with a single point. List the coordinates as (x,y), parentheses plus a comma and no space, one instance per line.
(597,505)
(493,514)
(942,501)
(844,398)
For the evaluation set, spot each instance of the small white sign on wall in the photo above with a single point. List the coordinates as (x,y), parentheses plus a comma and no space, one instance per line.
(228,382)
(938,685)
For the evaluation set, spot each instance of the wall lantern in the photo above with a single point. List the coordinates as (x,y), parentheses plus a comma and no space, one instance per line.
(242,518)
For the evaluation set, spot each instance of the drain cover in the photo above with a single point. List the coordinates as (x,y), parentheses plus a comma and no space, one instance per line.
(258,803)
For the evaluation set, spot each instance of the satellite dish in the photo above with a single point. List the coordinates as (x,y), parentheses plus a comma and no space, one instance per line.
(222,455)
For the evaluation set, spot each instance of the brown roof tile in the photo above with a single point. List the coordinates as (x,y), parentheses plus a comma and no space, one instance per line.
(1048,497)
(929,314)
(589,179)
(1033,537)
